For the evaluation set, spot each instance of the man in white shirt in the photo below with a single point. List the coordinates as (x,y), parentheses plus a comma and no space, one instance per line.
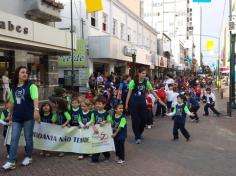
(210,103)
(5,86)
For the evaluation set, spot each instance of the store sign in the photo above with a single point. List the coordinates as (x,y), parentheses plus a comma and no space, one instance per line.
(162,62)
(201,0)
(10,26)
(79,56)
(129,51)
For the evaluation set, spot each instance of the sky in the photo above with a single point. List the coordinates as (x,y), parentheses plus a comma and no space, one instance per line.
(214,17)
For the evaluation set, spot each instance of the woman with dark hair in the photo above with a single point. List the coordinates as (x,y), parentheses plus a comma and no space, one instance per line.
(137,102)
(23,112)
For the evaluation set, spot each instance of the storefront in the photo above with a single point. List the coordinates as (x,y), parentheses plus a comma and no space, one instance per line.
(162,66)
(31,44)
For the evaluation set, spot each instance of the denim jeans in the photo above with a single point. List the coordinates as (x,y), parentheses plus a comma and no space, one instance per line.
(28,127)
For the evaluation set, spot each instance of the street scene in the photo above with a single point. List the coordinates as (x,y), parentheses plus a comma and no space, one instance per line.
(117,87)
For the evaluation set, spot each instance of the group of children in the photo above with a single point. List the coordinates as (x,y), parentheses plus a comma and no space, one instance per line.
(87,111)
(82,113)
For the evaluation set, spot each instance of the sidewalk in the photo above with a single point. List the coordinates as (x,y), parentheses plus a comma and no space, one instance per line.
(211,152)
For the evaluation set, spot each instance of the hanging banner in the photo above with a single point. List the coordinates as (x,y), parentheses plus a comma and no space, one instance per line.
(201,0)
(51,137)
(93,5)
(210,45)
(79,57)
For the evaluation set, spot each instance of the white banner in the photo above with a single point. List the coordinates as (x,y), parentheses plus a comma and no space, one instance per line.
(55,138)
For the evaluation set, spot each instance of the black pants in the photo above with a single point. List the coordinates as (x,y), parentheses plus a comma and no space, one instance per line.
(4,135)
(138,110)
(161,110)
(194,110)
(120,148)
(181,126)
(149,117)
(212,107)
(95,157)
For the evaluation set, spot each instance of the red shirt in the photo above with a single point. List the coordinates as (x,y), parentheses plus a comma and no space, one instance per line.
(161,94)
(89,96)
(149,103)
(198,90)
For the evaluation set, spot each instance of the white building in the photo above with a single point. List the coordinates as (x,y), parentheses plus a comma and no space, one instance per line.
(28,37)
(173,18)
(112,34)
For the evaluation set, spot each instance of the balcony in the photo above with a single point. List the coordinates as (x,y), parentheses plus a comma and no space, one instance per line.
(43,10)
(109,47)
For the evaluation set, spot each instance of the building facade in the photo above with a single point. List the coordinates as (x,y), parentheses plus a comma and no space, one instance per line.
(174,19)
(112,37)
(28,37)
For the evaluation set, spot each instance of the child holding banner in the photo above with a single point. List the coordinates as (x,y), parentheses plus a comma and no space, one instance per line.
(46,116)
(101,117)
(75,111)
(119,132)
(84,118)
(62,117)
(4,121)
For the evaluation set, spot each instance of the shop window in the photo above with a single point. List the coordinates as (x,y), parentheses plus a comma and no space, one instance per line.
(36,70)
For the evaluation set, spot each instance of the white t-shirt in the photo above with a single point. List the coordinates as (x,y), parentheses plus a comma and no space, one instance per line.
(168,81)
(174,100)
(211,95)
(169,95)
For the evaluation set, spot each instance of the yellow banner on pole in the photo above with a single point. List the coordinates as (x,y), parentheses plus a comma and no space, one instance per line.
(210,45)
(93,5)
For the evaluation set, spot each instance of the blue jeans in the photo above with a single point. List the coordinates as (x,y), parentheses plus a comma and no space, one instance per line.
(15,136)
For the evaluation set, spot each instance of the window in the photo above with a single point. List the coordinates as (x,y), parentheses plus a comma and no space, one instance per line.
(122,30)
(93,19)
(104,22)
(129,34)
(114,27)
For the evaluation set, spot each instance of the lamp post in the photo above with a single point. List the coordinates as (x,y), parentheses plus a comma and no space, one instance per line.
(72,46)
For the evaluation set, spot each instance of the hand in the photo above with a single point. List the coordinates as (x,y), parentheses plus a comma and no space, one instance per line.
(113,135)
(126,107)
(96,131)
(192,114)
(102,123)
(63,126)
(9,123)
(36,116)
(8,117)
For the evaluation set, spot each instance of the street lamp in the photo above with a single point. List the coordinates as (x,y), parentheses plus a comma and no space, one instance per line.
(72,46)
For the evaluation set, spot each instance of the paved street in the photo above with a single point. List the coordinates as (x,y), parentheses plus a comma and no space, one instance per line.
(211,152)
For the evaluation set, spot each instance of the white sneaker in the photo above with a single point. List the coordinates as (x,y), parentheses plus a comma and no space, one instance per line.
(27,161)
(121,162)
(80,157)
(138,141)
(149,126)
(9,166)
